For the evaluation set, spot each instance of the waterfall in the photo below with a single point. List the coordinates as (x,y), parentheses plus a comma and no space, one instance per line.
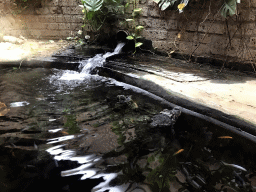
(98,60)
(86,66)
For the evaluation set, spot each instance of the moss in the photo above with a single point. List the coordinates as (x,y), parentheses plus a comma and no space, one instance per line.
(71,124)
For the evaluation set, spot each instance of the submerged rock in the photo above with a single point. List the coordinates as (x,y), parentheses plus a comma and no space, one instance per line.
(126,101)
(166,118)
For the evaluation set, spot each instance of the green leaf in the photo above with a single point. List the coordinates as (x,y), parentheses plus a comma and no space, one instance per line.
(229,8)
(137,10)
(139,27)
(138,44)
(129,37)
(128,19)
(138,37)
(164,4)
(93,5)
(157,1)
(127,5)
(90,15)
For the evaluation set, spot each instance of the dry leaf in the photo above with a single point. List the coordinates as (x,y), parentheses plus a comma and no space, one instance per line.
(178,152)
(2,105)
(225,137)
(64,132)
(181,6)
(3,109)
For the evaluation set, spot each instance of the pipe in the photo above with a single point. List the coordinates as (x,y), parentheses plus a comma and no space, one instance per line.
(121,36)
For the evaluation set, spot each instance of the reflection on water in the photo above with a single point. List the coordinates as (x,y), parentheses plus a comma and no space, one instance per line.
(96,134)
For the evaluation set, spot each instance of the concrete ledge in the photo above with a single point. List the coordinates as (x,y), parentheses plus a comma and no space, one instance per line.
(212,115)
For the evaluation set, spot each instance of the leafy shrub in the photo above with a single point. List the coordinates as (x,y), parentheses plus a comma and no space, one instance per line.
(99,12)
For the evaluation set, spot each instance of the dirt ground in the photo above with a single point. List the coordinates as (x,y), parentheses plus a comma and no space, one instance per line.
(233,93)
(11,51)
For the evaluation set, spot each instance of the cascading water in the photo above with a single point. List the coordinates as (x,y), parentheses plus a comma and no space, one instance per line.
(87,66)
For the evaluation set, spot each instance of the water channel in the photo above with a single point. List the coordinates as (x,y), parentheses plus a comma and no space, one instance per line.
(63,130)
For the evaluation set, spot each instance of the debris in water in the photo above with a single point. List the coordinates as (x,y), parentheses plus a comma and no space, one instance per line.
(234,165)
(176,153)
(225,137)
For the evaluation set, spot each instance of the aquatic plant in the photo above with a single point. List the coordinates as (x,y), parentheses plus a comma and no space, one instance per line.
(71,124)
(193,159)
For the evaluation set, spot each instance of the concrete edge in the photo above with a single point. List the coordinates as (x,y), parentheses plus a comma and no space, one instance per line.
(219,118)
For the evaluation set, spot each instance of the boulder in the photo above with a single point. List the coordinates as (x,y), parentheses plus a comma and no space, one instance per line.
(166,118)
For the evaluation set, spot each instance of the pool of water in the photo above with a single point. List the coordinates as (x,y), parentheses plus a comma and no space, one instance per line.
(62,130)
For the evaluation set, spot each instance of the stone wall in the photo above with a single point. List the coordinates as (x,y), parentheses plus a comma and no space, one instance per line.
(201,30)
(49,19)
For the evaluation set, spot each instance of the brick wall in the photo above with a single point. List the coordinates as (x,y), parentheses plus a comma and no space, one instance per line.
(201,30)
(52,19)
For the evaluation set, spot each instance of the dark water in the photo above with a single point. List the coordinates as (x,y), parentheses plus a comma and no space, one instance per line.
(65,131)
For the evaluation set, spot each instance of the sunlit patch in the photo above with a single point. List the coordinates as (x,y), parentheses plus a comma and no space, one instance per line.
(19,104)
(60,139)
(107,177)
(84,159)
(55,130)
(55,150)
(120,188)
(65,155)
(82,170)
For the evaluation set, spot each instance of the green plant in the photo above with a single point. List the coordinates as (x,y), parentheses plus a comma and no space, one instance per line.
(99,12)
(227,9)
(135,29)
(71,124)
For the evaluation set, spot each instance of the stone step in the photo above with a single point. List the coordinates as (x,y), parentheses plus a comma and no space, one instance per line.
(18,138)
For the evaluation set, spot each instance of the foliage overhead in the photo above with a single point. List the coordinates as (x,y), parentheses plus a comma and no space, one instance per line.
(93,5)
(99,12)
(228,8)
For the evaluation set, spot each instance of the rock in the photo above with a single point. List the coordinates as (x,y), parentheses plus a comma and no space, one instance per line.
(166,118)
(12,39)
(127,100)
